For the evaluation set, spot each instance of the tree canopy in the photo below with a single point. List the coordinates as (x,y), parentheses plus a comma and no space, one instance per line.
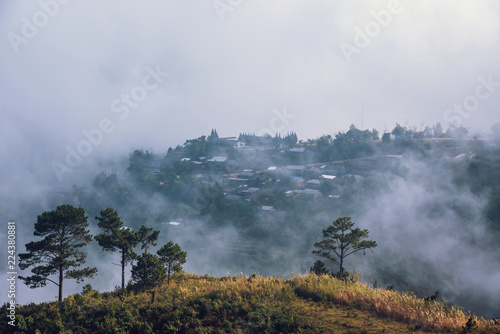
(65,232)
(116,237)
(319,268)
(148,270)
(172,257)
(342,240)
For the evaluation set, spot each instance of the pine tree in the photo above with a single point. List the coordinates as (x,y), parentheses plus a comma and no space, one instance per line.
(116,237)
(319,268)
(342,240)
(65,232)
(148,270)
(172,257)
(147,237)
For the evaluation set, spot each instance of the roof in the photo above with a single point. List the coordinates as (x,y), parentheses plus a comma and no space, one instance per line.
(246,174)
(308,192)
(314,181)
(217,159)
(304,192)
(251,190)
(328,177)
(333,168)
(297,149)
(295,167)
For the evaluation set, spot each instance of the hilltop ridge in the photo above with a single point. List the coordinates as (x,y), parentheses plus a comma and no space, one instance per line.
(248,304)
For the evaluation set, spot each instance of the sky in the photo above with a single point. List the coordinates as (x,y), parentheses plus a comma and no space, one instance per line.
(237,66)
(83,81)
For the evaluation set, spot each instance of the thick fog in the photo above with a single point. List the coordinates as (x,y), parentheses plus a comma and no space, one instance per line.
(83,84)
(434,233)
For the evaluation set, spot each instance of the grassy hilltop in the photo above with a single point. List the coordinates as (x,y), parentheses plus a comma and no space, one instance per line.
(247,304)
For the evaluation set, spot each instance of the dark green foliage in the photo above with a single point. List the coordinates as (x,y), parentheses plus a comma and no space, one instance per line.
(493,208)
(342,240)
(138,159)
(116,237)
(325,149)
(175,312)
(277,141)
(319,268)
(111,188)
(386,138)
(147,237)
(148,270)
(400,131)
(65,232)
(87,289)
(172,257)
(196,148)
(341,275)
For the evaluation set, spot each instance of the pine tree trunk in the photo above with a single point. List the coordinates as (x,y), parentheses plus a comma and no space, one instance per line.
(123,268)
(61,278)
(341,264)
(61,268)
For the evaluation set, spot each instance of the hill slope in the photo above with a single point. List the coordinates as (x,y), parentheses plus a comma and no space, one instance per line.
(242,304)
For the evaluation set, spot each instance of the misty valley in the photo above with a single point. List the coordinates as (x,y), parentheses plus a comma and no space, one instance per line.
(231,166)
(252,204)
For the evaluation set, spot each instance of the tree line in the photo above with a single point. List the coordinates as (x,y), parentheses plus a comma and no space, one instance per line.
(65,232)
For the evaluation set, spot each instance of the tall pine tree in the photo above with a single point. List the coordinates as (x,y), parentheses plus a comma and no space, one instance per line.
(65,232)
(116,237)
(342,240)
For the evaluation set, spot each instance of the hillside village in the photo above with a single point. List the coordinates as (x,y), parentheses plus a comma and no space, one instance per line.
(255,175)
(249,165)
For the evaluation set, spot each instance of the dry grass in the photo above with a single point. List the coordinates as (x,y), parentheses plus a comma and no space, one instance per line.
(404,307)
(242,304)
